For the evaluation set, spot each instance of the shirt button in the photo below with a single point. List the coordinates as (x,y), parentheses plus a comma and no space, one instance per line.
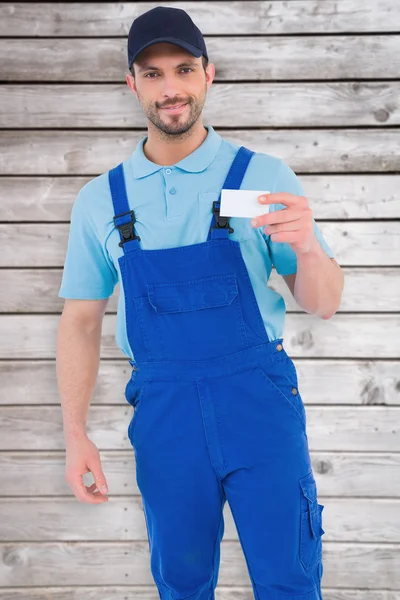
(172,191)
(279,347)
(294,391)
(168,171)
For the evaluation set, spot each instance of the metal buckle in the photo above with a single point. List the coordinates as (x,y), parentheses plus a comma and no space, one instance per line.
(126,229)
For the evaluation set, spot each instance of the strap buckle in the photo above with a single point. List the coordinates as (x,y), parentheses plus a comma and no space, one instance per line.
(126,229)
(221,222)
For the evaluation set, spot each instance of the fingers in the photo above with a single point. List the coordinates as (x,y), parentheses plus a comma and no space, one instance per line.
(99,477)
(284,215)
(85,493)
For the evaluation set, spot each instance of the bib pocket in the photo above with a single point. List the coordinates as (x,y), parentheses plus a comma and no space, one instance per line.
(311,530)
(193,319)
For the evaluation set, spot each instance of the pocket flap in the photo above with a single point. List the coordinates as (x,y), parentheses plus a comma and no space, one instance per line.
(309,486)
(316,521)
(207,292)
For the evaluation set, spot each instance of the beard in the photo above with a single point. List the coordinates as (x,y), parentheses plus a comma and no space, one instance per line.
(178,124)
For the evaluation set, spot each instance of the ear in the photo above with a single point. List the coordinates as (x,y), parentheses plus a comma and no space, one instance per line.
(130,82)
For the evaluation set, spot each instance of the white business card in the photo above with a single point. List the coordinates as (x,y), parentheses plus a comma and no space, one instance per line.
(242,203)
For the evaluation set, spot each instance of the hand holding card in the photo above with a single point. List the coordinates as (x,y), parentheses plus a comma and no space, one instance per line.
(242,203)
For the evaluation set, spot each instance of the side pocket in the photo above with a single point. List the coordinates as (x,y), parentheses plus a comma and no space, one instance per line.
(134,391)
(281,374)
(311,530)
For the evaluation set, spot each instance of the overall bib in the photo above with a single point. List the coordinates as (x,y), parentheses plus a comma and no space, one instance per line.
(218,416)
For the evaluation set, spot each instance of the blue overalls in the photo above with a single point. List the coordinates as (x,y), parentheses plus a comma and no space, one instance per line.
(218,416)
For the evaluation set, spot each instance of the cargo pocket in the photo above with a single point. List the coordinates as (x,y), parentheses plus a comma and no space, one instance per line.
(311,530)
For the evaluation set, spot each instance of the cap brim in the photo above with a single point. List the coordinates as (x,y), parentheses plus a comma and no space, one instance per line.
(197,52)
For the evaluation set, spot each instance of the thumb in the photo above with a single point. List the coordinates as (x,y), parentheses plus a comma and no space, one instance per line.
(99,476)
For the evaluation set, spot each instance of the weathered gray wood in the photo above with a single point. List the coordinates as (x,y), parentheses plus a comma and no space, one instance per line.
(46,519)
(278,58)
(359,243)
(60,563)
(330,197)
(305,150)
(367,289)
(267,105)
(338,474)
(216,17)
(336,382)
(369,243)
(329,428)
(377,336)
(151,593)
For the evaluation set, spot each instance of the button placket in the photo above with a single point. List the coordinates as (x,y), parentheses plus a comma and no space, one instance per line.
(174,207)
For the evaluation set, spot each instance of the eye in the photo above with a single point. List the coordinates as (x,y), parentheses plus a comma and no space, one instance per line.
(186,69)
(150,74)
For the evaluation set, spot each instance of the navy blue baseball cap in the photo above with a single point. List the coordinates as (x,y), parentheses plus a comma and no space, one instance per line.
(165,24)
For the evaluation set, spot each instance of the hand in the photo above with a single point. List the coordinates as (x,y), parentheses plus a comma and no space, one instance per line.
(293,225)
(83,457)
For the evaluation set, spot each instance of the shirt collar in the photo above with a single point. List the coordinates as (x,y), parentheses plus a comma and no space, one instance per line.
(195,162)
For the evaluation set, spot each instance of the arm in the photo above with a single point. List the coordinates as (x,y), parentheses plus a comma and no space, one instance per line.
(77,360)
(77,364)
(298,249)
(318,284)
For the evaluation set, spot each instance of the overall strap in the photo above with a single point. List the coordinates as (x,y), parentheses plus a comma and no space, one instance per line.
(220,227)
(237,169)
(124,218)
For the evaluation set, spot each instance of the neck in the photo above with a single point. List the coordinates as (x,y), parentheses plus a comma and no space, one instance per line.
(166,150)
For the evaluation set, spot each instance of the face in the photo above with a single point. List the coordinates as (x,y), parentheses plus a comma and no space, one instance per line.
(171,86)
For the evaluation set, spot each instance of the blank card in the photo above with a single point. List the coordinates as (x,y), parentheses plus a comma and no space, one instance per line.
(242,203)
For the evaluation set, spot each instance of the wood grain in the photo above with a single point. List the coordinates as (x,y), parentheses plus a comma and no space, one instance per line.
(213,18)
(305,150)
(342,474)
(293,58)
(90,106)
(331,196)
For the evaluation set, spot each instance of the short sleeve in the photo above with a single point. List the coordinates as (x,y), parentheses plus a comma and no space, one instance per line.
(88,273)
(282,254)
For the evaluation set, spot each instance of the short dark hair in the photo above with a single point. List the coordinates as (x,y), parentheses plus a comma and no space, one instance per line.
(204,61)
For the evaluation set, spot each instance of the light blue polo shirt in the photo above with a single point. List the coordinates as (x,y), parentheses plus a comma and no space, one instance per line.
(173,207)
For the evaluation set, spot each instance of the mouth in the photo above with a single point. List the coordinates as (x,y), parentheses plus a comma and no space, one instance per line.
(175,109)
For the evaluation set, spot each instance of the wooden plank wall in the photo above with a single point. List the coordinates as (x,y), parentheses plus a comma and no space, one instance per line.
(315,82)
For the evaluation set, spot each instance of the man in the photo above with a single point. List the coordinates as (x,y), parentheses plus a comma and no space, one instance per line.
(218,413)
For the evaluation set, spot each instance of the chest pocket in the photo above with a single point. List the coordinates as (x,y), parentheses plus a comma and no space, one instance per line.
(192,320)
(207,292)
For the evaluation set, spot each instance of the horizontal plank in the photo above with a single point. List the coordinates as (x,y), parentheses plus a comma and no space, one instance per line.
(328,382)
(367,289)
(47,519)
(329,428)
(278,58)
(338,474)
(60,563)
(213,18)
(127,592)
(378,336)
(368,243)
(336,104)
(305,150)
(330,197)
